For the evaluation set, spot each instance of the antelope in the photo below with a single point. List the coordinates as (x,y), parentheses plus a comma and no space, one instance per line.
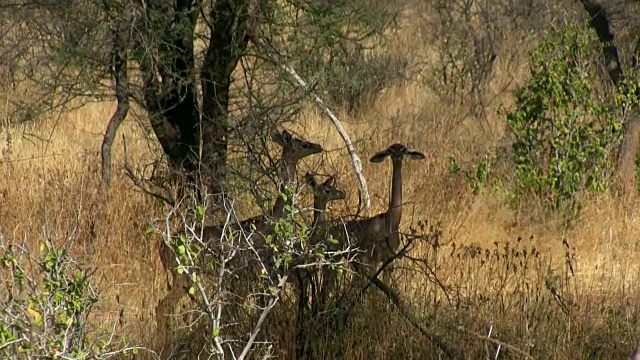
(379,236)
(293,151)
(322,195)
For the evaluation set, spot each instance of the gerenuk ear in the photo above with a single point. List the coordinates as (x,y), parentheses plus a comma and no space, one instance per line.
(416,155)
(287,137)
(283,139)
(310,180)
(379,157)
(330,182)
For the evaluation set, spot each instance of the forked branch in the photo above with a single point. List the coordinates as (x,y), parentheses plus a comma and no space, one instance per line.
(274,299)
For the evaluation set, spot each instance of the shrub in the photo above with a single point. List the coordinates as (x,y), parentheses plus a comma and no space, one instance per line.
(46,300)
(565,130)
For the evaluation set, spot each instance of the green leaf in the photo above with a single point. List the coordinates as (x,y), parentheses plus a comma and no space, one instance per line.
(200,211)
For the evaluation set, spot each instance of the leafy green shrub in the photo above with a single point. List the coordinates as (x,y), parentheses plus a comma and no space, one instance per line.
(566,131)
(46,300)
(485,175)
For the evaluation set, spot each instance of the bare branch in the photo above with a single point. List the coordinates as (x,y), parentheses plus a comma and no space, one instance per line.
(497,342)
(451,351)
(274,299)
(355,160)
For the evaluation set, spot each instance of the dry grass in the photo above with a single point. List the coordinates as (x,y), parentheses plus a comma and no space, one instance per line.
(51,176)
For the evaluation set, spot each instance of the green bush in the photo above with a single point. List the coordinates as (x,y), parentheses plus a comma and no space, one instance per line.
(566,129)
(46,300)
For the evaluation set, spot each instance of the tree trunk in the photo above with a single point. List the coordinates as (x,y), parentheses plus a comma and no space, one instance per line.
(167,64)
(629,149)
(227,45)
(628,155)
(166,56)
(121,79)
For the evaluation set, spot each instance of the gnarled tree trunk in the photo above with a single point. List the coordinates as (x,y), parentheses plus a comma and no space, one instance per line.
(194,139)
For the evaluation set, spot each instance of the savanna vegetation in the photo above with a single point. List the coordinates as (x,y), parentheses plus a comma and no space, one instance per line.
(177,177)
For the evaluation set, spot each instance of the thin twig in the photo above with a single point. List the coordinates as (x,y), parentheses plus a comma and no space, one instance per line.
(497,342)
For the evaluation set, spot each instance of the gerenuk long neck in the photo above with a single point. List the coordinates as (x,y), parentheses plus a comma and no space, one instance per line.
(286,176)
(319,212)
(394,214)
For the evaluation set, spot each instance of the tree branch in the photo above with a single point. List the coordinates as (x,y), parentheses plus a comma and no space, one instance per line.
(497,342)
(139,182)
(451,351)
(355,160)
(274,299)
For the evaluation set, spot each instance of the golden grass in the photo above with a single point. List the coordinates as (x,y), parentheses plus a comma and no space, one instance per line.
(51,176)
(49,184)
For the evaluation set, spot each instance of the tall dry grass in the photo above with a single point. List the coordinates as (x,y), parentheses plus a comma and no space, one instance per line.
(558,293)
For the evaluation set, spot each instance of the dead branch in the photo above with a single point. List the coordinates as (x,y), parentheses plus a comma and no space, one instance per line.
(273,49)
(451,351)
(274,299)
(497,342)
